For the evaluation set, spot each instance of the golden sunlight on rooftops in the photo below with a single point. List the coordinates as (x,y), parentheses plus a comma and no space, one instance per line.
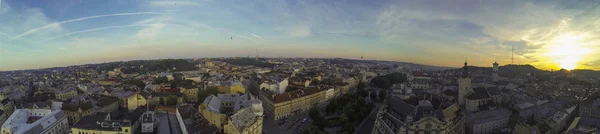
(567,51)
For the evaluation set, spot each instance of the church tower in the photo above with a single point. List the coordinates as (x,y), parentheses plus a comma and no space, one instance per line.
(495,76)
(464,85)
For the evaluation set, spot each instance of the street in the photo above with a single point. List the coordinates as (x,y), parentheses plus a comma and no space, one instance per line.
(366,125)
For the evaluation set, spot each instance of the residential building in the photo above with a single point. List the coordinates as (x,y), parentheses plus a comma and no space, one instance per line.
(590,108)
(130,100)
(419,80)
(105,123)
(215,108)
(65,94)
(36,121)
(398,117)
(148,122)
(245,121)
(6,108)
(287,104)
(74,112)
(489,121)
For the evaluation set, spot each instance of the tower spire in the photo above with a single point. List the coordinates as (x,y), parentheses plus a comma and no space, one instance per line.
(512,59)
(465,70)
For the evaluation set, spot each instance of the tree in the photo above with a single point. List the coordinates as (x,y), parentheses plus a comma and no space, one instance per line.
(136,82)
(160,80)
(361,86)
(382,95)
(173,84)
(202,94)
(373,95)
(172,100)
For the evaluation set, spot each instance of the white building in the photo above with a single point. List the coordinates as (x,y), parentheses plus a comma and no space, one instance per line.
(485,122)
(419,80)
(36,121)
(495,76)
(148,122)
(401,91)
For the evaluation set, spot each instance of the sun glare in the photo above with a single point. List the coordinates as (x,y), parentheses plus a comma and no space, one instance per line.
(567,51)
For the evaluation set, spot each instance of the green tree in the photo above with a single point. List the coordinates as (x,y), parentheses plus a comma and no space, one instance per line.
(203,93)
(172,100)
(160,80)
(382,95)
(373,96)
(137,82)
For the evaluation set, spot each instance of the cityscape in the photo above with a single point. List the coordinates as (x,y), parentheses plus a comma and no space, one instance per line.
(299,67)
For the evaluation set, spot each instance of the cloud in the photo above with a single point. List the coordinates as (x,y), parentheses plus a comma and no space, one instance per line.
(299,31)
(4,34)
(93,30)
(31,31)
(246,37)
(174,3)
(150,32)
(257,36)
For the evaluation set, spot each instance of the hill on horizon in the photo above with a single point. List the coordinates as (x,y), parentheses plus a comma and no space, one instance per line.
(512,70)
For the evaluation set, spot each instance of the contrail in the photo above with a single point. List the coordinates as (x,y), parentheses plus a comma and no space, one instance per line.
(246,37)
(93,30)
(257,36)
(79,19)
(1,33)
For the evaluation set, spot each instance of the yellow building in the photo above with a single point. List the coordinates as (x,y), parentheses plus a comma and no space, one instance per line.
(75,112)
(65,94)
(287,104)
(244,121)
(216,119)
(216,108)
(232,88)
(135,101)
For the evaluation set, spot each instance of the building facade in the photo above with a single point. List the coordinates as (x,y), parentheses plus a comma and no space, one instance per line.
(36,121)
(280,106)
(485,122)
(74,112)
(244,121)
(397,117)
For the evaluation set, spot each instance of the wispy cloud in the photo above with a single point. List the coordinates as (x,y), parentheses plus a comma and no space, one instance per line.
(248,38)
(257,36)
(80,19)
(299,31)
(4,34)
(95,29)
(174,3)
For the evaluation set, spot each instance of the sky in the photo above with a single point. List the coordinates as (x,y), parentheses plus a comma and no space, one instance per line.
(549,34)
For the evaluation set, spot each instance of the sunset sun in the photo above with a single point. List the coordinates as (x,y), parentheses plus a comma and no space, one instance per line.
(567,51)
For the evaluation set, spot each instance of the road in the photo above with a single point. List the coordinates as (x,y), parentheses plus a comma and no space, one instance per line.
(175,129)
(366,126)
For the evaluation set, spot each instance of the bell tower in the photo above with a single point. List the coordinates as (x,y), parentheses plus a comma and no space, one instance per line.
(464,85)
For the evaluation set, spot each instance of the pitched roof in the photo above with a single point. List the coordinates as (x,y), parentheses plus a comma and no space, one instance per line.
(493,91)
(75,107)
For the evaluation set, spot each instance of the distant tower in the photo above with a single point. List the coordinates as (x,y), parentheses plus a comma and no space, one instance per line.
(512,58)
(464,85)
(495,76)
(257,55)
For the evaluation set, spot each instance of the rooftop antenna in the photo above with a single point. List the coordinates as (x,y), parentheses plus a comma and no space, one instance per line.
(512,59)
